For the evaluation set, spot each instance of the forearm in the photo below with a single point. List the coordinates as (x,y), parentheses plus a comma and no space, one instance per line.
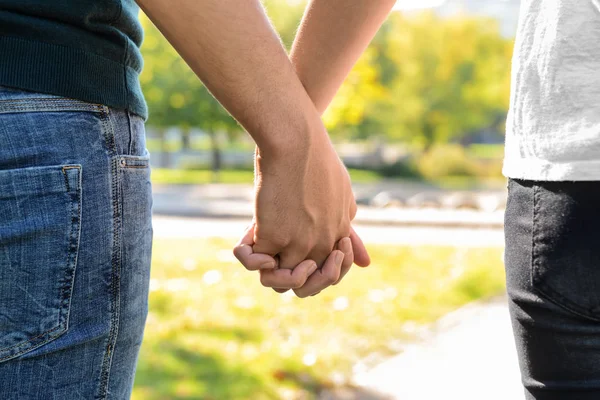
(233,49)
(331,38)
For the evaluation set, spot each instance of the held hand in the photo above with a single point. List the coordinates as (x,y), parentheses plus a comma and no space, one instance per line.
(304,202)
(305,279)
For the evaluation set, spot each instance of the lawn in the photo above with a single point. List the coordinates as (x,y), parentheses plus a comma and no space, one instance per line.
(214,333)
(486,151)
(187,177)
(199,177)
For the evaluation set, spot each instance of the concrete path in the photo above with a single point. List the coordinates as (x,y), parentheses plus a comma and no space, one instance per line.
(394,235)
(468,355)
(235,201)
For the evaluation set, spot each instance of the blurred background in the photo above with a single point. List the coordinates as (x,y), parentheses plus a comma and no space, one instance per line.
(420,124)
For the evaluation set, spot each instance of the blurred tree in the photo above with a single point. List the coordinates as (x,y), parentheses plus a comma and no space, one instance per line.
(347,112)
(442,79)
(424,79)
(286,16)
(177,98)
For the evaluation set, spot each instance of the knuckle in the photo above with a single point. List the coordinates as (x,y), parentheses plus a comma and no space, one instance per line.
(265,280)
(298,282)
(320,256)
(295,284)
(344,229)
(307,247)
(280,241)
(348,257)
(302,247)
(237,253)
(324,248)
(276,239)
(332,276)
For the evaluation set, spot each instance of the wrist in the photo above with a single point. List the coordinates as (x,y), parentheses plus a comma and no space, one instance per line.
(292,135)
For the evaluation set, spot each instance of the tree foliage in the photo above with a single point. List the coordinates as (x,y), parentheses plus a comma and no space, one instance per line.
(424,80)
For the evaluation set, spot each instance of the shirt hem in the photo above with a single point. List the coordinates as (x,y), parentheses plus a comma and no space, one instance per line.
(541,170)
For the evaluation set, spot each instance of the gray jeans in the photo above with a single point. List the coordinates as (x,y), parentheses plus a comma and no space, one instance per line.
(553,277)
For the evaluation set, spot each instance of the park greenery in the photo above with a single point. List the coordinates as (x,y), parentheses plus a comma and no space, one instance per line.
(426,82)
(213,332)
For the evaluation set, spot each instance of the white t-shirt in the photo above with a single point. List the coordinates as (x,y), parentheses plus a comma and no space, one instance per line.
(553,127)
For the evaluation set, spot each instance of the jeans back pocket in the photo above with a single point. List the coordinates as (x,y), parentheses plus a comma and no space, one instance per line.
(566,247)
(40,222)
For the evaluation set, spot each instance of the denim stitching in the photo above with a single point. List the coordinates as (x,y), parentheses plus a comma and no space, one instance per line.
(135,166)
(66,180)
(29,340)
(46,104)
(130,127)
(115,259)
(129,161)
(64,169)
(74,238)
(67,290)
(143,164)
(30,347)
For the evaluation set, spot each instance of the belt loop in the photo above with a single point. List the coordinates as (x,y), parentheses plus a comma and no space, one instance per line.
(131,135)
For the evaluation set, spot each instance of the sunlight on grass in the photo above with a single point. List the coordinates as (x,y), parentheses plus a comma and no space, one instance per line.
(214,333)
(188,177)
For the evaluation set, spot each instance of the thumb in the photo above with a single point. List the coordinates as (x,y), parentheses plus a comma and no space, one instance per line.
(264,246)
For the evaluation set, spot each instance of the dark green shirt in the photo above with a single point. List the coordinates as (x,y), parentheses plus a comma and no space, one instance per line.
(83,49)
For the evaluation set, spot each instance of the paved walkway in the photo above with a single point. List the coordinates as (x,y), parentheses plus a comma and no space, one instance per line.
(235,201)
(468,355)
(394,235)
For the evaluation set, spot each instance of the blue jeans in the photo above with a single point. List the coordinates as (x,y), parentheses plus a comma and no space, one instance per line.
(75,247)
(553,279)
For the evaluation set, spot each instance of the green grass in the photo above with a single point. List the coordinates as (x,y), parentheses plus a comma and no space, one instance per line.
(213,332)
(486,151)
(188,177)
(469,183)
(199,177)
(174,144)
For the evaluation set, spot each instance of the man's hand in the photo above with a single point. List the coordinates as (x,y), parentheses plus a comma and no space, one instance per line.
(332,36)
(306,279)
(304,202)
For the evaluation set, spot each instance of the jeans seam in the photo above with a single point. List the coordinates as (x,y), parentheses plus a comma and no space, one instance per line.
(115,258)
(71,264)
(537,285)
(27,341)
(135,166)
(47,105)
(75,241)
(130,128)
(534,226)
